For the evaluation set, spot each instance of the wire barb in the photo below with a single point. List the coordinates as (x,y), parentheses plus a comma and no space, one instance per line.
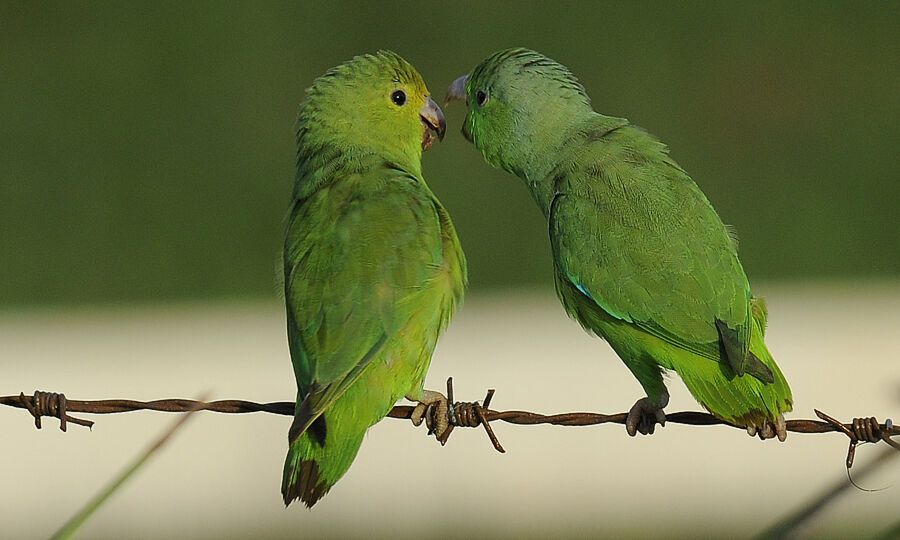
(50,404)
(860,430)
(469,414)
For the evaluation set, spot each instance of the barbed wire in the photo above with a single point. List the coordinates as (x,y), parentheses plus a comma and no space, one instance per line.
(462,414)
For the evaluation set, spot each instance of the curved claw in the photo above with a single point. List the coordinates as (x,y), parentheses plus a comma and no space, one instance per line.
(769,430)
(781,428)
(418,414)
(433,408)
(643,417)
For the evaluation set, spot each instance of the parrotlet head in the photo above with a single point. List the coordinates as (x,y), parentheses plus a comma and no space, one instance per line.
(374,102)
(516,97)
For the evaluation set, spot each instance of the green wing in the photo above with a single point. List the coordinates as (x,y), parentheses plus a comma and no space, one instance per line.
(637,237)
(354,250)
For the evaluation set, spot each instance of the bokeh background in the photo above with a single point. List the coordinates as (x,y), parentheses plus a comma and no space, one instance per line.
(146,160)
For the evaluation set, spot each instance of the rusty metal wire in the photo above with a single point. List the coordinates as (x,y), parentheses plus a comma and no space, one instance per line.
(462,414)
(58,406)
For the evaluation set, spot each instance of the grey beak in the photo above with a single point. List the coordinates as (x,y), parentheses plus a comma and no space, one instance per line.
(457,90)
(432,115)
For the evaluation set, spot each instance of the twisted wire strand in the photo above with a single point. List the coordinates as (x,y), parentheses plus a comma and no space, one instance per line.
(463,414)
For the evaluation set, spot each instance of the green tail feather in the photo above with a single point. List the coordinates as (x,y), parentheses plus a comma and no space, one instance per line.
(311,468)
(302,480)
(741,400)
(321,454)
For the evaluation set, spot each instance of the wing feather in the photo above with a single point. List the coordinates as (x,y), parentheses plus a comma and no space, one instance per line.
(355,250)
(638,237)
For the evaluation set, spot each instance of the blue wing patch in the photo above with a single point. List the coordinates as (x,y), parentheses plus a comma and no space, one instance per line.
(584,291)
(622,316)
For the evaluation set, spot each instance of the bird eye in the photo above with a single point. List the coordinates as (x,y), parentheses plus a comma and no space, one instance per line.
(398,97)
(481,97)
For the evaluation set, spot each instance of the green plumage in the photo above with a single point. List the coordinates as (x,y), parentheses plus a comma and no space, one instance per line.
(373,268)
(640,256)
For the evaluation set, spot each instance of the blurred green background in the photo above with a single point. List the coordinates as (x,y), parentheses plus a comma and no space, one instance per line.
(146,149)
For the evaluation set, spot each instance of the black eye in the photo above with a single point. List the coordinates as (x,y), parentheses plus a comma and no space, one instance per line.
(398,97)
(480,97)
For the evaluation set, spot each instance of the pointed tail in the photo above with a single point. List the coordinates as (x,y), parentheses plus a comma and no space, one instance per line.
(313,465)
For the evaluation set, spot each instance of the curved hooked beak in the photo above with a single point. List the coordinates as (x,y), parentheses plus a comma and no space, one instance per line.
(457,91)
(432,120)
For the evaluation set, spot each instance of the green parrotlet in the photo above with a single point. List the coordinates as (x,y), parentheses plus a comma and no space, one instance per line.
(373,269)
(640,256)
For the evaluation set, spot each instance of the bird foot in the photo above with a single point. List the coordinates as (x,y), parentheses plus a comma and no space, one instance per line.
(434,408)
(770,430)
(644,416)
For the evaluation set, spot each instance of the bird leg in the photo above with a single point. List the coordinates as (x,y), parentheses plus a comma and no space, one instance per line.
(770,430)
(433,406)
(644,416)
